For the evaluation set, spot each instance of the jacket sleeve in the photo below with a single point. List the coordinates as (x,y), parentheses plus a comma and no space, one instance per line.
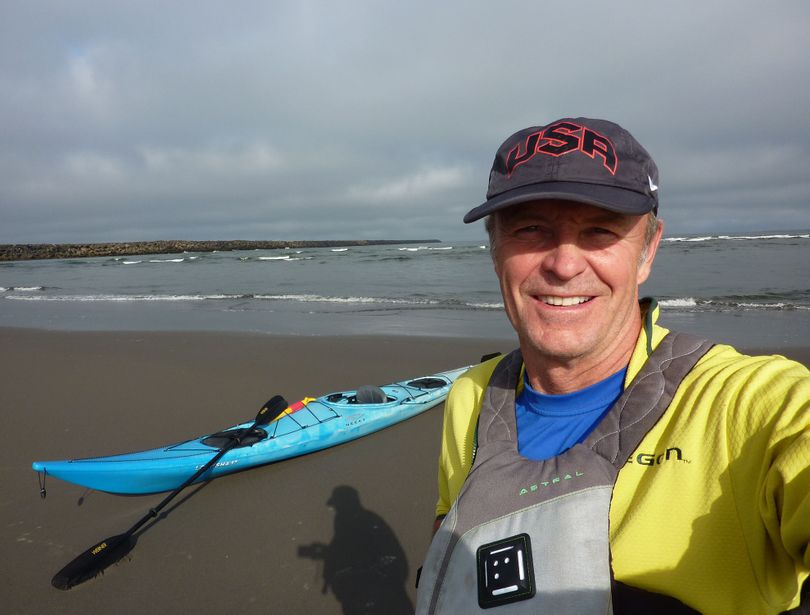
(454,461)
(785,503)
(458,432)
(769,444)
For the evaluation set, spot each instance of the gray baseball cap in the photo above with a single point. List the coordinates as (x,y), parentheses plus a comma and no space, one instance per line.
(574,159)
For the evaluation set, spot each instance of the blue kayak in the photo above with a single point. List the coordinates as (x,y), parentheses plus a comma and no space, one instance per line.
(306,426)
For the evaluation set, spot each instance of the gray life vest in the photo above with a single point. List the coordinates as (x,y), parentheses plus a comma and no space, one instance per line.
(532,536)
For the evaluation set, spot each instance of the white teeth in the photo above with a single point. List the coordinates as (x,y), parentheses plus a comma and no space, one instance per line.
(563,301)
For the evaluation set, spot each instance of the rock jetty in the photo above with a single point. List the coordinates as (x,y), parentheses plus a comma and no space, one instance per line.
(20,252)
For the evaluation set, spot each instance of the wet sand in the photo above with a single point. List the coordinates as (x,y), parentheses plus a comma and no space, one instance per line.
(234,545)
(253,542)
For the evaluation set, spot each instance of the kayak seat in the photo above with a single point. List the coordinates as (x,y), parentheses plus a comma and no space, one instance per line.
(370,394)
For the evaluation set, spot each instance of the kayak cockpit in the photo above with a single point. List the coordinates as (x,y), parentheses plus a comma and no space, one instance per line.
(368,394)
(248,436)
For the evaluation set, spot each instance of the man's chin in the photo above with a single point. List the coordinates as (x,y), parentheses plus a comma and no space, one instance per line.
(560,348)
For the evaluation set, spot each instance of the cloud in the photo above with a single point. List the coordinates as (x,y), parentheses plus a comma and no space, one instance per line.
(361,117)
(233,159)
(94,167)
(419,185)
(738,167)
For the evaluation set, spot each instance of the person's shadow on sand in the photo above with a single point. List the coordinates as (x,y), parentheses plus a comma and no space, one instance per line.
(364,565)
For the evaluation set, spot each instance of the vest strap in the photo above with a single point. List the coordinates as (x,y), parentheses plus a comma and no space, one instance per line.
(647,397)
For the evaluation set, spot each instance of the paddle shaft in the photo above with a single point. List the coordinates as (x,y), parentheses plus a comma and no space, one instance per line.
(153,512)
(105,553)
(272,409)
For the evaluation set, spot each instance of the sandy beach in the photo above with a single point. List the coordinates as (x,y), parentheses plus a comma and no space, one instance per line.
(247,543)
(234,545)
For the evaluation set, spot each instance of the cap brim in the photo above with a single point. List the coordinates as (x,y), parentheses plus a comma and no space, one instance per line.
(606,197)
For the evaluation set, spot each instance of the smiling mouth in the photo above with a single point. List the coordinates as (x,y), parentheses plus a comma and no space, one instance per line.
(562,301)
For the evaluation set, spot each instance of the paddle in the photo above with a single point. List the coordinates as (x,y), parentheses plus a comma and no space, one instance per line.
(110,550)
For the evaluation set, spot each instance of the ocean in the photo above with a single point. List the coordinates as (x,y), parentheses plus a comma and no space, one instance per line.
(751,290)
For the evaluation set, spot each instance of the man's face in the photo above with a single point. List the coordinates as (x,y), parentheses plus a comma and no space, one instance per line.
(569,275)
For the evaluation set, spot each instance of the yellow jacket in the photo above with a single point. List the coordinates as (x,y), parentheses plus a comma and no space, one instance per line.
(713,508)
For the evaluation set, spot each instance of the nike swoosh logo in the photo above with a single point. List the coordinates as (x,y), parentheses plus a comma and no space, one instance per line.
(653,187)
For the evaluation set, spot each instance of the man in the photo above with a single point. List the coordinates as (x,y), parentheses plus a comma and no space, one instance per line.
(607,465)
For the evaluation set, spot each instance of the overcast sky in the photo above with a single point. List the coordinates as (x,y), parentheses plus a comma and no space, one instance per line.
(320,119)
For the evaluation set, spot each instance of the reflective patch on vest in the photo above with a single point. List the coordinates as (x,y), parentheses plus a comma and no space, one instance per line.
(505,572)
(569,551)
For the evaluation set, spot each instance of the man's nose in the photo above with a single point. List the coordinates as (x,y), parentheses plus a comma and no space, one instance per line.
(565,260)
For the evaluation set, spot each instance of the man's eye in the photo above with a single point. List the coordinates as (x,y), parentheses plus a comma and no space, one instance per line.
(527,231)
(599,236)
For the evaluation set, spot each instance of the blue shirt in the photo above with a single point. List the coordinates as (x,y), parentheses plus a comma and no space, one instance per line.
(548,425)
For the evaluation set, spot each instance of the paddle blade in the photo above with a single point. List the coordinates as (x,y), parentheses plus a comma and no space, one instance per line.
(94,561)
(274,406)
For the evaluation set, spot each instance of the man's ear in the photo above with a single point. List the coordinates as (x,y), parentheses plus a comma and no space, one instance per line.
(645,266)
